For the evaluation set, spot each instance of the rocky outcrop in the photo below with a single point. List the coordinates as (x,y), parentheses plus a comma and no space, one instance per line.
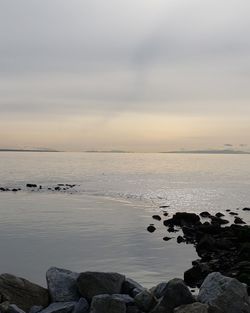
(107,304)
(193,308)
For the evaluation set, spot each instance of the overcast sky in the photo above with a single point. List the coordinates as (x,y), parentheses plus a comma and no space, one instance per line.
(143,75)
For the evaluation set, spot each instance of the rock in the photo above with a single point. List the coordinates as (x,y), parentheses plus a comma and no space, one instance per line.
(14,309)
(165,213)
(233,213)
(60,307)
(107,304)
(180,239)
(196,275)
(195,307)
(246,209)
(125,298)
(219,214)
(145,300)
(62,285)
(131,287)
(176,294)
(225,293)
(164,206)
(159,290)
(167,238)
(81,306)
(156,217)
(238,220)
(218,221)
(151,228)
(91,284)
(205,214)
(36,309)
(31,185)
(184,218)
(21,292)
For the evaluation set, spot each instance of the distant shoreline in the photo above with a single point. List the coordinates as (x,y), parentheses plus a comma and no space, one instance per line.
(209,152)
(28,150)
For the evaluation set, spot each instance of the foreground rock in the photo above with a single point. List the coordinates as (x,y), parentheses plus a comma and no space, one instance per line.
(107,304)
(91,284)
(193,308)
(62,285)
(22,293)
(60,307)
(226,294)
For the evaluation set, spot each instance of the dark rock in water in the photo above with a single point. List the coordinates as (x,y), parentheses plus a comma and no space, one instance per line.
(62,285)
(205,214)
(195,276)
(219,214)
(57,188)
(151,228)
(31,185)
(2,189)
(91,284)
(156,217)
(238,220)
(167,238)
(131,287)
(171,229)
(81,306)
(219,221)
(228,210)
(183,218)
(23,293)
(145,300)
(165,213)
(60,307)
(164,206)
(15,189)
(246,209)
(224,293)
(233,213)
(176,293)
(107,304)
(180,239)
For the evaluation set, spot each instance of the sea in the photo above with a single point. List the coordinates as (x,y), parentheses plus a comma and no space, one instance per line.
(100,223)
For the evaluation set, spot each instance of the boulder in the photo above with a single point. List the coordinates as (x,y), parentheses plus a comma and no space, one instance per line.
(91,284)
(225,293)
(145,300)
(176,294)
(125,298)
(21,292)
(131,287)
(107,304)
(159,290)
(195,307)
(62,285)
(36,309)
(60,307)
(14,309)
(82,306)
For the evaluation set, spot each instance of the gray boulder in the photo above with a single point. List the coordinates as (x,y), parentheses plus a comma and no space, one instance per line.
(224,293)
(131,287)
(159,290)
(107,304)
(145,300)
(125,298)
(192,308)
(62,285)
(60,307)
(175,294)
(91,284)
(22,293)
(82,306)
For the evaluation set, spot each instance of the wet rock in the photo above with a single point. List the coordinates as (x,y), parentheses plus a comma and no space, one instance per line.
(62,285)
(184,218)
(14,309)
(156,217)
(165,213)
(60,307)
(91,284)
(238,220)
(180,239)
(246,209)
(219,214)
(125,298)
(151,228)
(193,308)
(107,304)
(205,214)
(233,213)
(131,287)
(31,185)
(145,300)
(167,238)
(164,206)
(159,290)
(218,221)
(226,294)
(21,292)
(81,306)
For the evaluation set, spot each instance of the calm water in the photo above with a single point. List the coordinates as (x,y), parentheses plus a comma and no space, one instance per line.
(101,225)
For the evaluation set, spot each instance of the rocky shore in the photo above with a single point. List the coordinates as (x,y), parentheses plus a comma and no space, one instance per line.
(98,292)
(222,246)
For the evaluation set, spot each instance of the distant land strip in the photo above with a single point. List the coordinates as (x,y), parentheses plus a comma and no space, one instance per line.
(28,150)
(210,152)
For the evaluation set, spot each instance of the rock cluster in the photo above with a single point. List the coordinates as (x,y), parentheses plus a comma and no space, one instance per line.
(97,292)
(34,187)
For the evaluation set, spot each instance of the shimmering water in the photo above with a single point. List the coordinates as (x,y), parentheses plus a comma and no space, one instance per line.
(101,225)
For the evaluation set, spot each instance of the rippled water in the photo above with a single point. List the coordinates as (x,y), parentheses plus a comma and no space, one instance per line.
(101,225)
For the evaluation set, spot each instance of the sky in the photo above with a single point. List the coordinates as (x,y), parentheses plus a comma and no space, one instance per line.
(134,75)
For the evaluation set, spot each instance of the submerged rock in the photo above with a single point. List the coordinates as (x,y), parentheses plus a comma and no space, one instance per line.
(62,285)
(22,293)
(91,284)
